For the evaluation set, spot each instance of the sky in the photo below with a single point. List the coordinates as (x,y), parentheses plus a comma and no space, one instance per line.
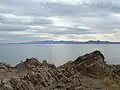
(71,20)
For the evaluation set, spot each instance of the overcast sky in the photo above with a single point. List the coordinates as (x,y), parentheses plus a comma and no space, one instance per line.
(76,20)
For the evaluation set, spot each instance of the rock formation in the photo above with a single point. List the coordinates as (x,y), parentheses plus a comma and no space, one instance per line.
(87,72)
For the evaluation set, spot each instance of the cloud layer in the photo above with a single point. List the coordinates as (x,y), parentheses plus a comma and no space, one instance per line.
(78,20)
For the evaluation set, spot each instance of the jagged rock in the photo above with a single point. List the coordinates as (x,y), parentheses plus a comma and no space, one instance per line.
(91,64)
(6,87)
(87,72)
(4,67)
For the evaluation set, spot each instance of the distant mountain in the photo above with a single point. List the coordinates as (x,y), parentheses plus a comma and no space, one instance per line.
(49,42)
(69,42)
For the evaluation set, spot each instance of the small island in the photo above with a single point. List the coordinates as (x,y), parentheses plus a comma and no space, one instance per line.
(87,72)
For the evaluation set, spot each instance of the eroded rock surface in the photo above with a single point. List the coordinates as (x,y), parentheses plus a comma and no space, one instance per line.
(87,72)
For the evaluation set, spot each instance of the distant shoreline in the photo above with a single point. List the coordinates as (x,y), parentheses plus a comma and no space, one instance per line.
(65,42)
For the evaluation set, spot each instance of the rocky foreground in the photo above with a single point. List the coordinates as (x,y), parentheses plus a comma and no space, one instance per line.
(87,72)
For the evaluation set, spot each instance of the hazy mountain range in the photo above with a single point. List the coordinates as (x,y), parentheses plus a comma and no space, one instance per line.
(68,42)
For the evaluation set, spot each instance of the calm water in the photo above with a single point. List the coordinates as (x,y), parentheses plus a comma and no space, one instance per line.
(57,54)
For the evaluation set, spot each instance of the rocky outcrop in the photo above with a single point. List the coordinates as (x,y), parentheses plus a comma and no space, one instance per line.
(87,72)
(92,64)
(4,67)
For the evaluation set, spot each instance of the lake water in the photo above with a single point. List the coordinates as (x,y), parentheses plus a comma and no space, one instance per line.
(57,54)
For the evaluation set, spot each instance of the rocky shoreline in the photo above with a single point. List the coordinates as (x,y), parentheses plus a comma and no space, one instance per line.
(87,72)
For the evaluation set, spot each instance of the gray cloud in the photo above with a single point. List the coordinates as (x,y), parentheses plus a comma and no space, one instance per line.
(12,27)
(25,20)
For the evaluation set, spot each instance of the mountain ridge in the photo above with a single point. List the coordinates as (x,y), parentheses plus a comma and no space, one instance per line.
(67,42)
